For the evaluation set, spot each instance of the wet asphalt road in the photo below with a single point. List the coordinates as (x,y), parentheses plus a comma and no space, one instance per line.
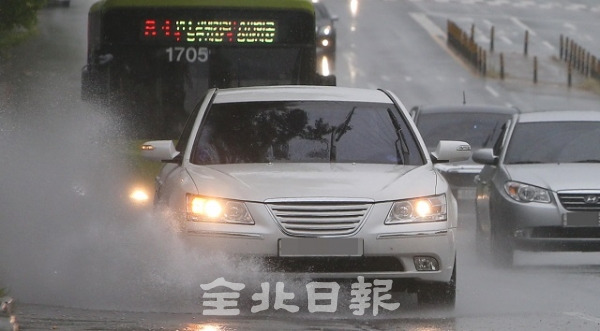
(90,282)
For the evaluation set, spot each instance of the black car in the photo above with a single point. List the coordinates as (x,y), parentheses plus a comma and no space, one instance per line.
(325,26)
(478,125)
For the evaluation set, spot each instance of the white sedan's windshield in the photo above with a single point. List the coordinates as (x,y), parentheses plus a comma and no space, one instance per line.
(312,131)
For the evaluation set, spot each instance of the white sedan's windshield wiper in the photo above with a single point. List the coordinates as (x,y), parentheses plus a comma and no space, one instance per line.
(337,133)
(400,143)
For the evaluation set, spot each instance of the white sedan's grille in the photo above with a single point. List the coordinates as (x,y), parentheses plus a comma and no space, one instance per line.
(320,217)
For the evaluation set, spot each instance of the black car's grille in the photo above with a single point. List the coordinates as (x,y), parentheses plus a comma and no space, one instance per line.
(320,218)
(580,201)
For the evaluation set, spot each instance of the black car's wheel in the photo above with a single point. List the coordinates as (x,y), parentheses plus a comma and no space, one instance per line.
(438,295)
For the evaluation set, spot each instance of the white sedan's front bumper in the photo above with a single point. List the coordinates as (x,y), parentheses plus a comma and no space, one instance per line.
(388,251)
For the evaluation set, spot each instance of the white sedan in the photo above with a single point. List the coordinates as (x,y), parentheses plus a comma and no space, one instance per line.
(329,182)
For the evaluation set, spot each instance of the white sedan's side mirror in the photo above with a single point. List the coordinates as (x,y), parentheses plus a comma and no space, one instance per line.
(451,151)
(159,150)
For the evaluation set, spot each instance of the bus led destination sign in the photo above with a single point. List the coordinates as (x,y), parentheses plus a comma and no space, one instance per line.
(210,31)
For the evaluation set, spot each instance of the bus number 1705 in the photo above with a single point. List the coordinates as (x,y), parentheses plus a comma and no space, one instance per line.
(189,54)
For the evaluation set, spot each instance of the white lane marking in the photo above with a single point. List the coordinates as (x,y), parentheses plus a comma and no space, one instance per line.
(498,2)
(583,316)
(549,45)
(506,40)
(428,25)
(576,6)
(549,5)
(437,34)
(524,4)
(523,25)
(492,91)
(481,36)
(569,26)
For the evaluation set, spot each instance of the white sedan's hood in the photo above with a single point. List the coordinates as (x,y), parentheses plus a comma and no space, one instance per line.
(558,177)
(258,182)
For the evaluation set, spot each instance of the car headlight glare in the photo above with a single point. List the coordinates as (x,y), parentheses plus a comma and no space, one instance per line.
(204,209)
(526,193)
(426,209)
(423,208)
(213,209)
(326,30)
(139,196)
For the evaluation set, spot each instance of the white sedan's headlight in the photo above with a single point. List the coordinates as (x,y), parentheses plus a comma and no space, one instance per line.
(206,209)
(425,209)
(527,193)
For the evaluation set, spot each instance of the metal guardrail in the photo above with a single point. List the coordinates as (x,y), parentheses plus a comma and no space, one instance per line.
(467,47)
(579,59)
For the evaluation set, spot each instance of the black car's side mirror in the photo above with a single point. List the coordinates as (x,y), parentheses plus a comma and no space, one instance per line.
(485,156)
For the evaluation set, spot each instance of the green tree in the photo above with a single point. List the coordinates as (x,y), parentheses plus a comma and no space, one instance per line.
(18,19)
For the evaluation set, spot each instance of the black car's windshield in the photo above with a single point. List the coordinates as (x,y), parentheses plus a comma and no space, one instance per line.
(321,12)
(310,131)
(554,142)
(480,130)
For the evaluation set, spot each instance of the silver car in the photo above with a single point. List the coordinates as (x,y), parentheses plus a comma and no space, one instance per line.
(539,188)
(328,182)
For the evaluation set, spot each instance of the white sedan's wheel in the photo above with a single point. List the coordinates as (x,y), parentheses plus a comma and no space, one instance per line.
(438,295)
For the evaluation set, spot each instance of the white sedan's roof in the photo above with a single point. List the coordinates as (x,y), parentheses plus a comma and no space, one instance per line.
(300,93)
(560,116)
(467,109)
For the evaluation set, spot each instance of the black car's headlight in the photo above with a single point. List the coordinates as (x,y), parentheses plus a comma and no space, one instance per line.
(207,209)
(526,193)
(325,30)
(425,209)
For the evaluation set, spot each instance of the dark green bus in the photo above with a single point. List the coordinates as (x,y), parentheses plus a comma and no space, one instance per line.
(151,61)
